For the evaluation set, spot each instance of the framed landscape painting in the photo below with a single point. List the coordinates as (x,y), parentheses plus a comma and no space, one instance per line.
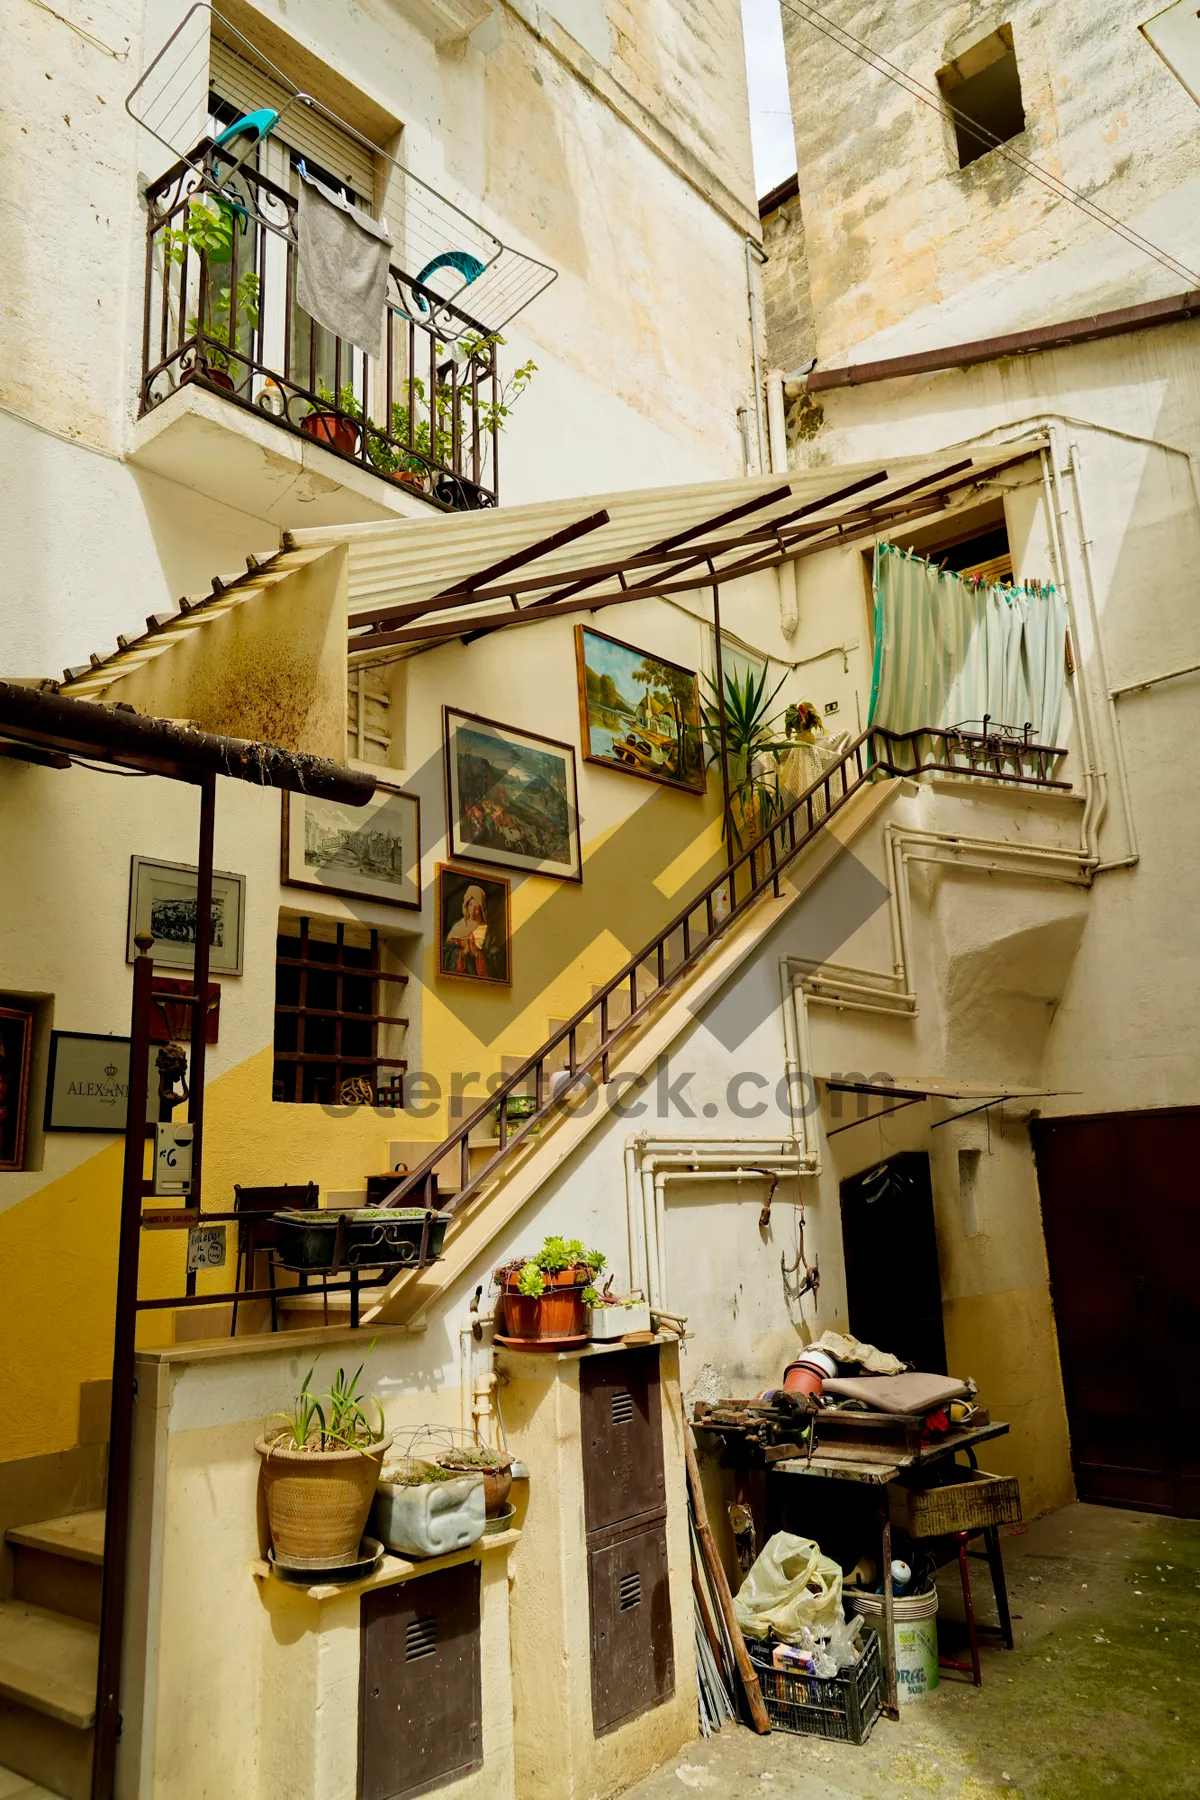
(510,798)
(474,935)
(370,852)
(638,712)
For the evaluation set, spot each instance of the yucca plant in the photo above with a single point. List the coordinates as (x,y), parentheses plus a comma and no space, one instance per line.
(753,748)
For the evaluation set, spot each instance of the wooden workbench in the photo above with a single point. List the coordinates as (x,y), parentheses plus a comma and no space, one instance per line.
(875,1466)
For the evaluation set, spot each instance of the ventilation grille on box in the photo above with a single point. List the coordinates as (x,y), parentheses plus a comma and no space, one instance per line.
(622,1407)
(630,1591)
(420,1639)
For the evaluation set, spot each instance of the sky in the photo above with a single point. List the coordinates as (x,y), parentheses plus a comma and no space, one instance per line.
(770,107)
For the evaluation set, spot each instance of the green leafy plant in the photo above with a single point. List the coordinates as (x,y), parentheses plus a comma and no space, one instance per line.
(229,310)
(559,1253)
(531,1282)
(341,1423)
(802,718)
(752,747)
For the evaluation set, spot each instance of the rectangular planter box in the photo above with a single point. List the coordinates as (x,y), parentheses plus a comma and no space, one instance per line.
(608,1324)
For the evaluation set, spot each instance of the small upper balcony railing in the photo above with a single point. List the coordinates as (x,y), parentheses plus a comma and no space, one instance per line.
(221,311)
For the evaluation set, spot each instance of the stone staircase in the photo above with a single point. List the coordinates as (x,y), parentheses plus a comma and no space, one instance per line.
(49,1640)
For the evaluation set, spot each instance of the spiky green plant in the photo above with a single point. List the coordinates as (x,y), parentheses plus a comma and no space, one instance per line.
(752,747)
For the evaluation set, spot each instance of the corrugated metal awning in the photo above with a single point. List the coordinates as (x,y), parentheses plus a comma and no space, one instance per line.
(416,581)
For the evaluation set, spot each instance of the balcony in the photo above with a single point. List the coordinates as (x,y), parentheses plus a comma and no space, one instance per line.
(222,330)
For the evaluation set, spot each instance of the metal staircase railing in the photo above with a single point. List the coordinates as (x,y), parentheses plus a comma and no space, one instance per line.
(653,971)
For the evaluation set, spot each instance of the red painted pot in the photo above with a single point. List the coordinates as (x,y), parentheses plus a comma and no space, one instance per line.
(798,1378)
(327,428)
(218,377)
(558,1313)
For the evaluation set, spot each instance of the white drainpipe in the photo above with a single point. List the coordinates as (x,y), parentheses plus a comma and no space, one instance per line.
(776,423)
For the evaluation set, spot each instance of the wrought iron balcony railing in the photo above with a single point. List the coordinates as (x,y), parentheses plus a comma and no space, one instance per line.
(221,311)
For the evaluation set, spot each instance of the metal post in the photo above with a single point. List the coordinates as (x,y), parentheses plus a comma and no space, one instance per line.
(204,887)
(116,1524)
(728,816)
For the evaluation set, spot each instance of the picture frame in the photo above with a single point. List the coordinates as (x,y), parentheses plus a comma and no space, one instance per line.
(511,797)
(162,901)
(474,925)
(370,852)
(16,1075)
(657,736)
(87,1083)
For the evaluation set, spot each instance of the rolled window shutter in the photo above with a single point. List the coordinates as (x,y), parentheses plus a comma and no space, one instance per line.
(307,132)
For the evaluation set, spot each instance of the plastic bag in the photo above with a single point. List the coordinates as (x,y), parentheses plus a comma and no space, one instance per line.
(790,1587)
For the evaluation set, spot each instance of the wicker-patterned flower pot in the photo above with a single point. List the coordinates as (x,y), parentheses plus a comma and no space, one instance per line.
(318,1500)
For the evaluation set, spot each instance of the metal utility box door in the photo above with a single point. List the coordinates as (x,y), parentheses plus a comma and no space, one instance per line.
(419,1708)
(633,1666)
(624,1502)
(622,1437)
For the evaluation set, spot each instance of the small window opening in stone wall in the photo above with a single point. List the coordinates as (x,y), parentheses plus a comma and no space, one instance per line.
(983,85)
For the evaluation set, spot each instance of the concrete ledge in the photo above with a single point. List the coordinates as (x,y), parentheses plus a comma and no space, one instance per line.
(392,1569)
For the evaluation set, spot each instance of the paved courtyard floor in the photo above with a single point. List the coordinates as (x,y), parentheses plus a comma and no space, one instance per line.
(1099,1700)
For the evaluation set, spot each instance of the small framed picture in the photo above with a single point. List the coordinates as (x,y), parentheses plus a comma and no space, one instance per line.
(370,852)
(87,1087)
(162,901)
(16,1068)
(511,798)
(474,934)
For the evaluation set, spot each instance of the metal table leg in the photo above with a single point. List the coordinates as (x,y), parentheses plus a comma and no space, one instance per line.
(891,1689)
(949,1662)
(991,1539)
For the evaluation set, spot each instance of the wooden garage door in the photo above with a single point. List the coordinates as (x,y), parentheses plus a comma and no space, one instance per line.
(1121,1210)
(419,1717)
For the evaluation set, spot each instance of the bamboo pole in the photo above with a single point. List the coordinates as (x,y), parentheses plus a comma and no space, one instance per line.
(716,1575)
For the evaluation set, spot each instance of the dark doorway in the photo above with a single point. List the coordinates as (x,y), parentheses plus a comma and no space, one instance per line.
(893,1290)
(1121,1212)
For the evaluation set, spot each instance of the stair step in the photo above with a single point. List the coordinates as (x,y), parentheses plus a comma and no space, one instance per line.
(48,1663)
(79,1536)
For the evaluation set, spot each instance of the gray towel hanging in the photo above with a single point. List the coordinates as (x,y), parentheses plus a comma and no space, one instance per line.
(342,259)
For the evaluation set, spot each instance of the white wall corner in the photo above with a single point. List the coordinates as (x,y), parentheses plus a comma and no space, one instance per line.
(448,22)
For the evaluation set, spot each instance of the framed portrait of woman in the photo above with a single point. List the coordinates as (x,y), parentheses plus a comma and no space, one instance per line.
(474,933)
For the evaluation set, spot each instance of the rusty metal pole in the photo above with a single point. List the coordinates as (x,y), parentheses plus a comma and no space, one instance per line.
(725,796)
(116,1523)
(196,1060)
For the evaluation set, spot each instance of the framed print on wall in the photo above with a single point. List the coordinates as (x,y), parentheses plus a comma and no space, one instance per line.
(16,1069)
(511,798)
(370,852)
(87,1087)
(474,932)
(638,712)
(162,901)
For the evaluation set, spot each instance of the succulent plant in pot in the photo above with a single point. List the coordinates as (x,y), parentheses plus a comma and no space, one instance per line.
(319,1472)
(542,1297)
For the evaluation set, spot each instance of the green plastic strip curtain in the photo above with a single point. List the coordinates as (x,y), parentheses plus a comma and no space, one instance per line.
(949,651)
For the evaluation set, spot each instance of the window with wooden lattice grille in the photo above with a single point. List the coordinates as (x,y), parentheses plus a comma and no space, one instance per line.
(337,1034)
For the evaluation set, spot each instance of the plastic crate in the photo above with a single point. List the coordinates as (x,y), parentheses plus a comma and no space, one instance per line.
(845,1706)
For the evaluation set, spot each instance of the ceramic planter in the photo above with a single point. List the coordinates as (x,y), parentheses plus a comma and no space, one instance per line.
(496,1483)
(328,428)
(430,1520)
(318,1500)
(556,1313)
(373,1236)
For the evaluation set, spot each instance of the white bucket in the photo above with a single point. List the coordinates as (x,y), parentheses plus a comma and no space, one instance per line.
(916,1638)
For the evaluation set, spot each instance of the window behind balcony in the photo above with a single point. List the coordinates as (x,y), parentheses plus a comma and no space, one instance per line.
(338,1033)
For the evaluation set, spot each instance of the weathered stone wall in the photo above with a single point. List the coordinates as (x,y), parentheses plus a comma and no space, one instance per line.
(787,299)
(907,251)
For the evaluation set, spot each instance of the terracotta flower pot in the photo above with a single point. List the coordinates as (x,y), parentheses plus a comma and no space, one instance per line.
(798,1378)
(327,428)
(318,1500)
(558,1313)
(218,377)
(496,1482)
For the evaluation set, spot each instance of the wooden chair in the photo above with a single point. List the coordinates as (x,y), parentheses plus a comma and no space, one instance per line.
(257,1232)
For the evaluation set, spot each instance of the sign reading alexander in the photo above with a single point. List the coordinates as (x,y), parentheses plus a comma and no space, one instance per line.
(88,1084)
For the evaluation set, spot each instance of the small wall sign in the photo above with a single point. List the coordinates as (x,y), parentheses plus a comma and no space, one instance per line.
(87,1088)
(173,1158)
(206,1248)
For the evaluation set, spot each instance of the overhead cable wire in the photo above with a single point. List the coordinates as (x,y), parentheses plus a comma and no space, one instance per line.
(1062,190)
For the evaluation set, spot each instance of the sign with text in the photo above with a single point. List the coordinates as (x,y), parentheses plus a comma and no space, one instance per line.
(173,1158)
(87,1088)
(206,1248)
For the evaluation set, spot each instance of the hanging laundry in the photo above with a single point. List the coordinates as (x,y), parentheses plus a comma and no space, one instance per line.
(342,259)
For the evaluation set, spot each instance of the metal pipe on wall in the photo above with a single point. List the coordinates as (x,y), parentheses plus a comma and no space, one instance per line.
(756,250)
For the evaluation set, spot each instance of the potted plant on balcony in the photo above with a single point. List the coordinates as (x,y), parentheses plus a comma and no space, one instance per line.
(320,1471)
(229,310)
(336,420)
(541,1298)
(611,1317)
